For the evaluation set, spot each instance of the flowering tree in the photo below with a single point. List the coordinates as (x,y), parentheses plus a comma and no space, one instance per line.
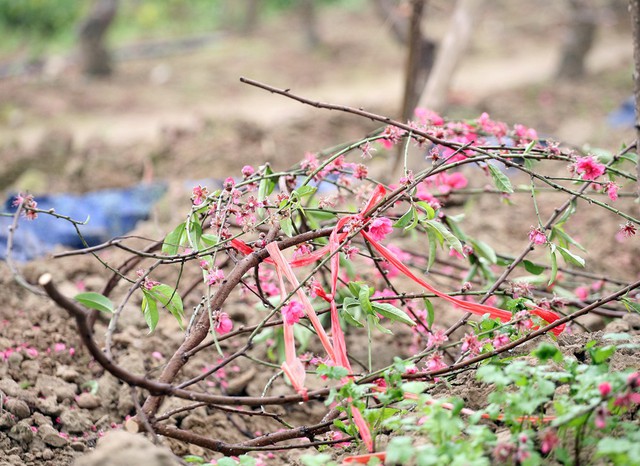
(322,253)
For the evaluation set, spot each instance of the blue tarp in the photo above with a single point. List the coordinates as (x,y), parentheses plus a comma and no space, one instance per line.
(111,213)
(624,116)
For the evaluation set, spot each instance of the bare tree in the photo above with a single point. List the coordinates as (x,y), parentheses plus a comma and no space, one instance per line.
(578,39)
(94,56)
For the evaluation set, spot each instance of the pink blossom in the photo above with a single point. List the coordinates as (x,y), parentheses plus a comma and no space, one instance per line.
(604,388)
(500,340)
(224,324)
(367,150)
(199,194)
(379,228)
(360,171)
(548,440)
(392,134)
(633,380)
(302,250)
(157,355)
(537,236)
(455,253)
(524,134)
(247,171)
(494,128)
(471,343)
(437,338)
(428,117)
(408,179)
(612,190)
(436,362)
(447,183)
(58,347)
(626,231)
(424,195)
(214,276)
(627,399)
(28,203)
(310,162)
(581,292)
(350,252)
(503,451)
(589,168)
(601,416)
(292,312)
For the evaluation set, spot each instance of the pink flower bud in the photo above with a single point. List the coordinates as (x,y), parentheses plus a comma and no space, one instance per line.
(605,389)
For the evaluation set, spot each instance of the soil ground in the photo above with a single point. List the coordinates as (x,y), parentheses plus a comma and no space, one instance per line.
(185,118)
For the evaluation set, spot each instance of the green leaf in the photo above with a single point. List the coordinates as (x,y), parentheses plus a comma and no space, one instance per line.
(392,313)
(569,211)
(349,314)
(501,181)
(482,249)
(546,351)
(406,219)
(171,242)
(304,191)
(430,312)
(431,214)
(266,186)
(530,146)
(601,354)
(375,320)
(532,268)
(441,230)
(433,244)
(195,234)
(571,258)
(170,299)
(554,265)
(226,461)
(332,372)
(95,301)
(287,226)
(564,239)
(193,459)
(400,450)
(149,310)
(630,305)
(209,240)
(246,460)
(363,298)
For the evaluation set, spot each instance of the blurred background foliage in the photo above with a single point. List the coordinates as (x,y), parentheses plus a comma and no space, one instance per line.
(51,25)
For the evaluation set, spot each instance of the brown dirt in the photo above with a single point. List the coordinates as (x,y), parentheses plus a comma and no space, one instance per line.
(64,133)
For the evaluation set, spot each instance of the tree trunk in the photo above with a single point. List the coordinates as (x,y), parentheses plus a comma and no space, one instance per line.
(634,8)
(390,14)
(251,16)
(309,23)
(449,54)
(578,40)
(94,57)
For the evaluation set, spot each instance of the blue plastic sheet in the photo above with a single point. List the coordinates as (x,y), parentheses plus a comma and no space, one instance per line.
(624,116)
(111,213)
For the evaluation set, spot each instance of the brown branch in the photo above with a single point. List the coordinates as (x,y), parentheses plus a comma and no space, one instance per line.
(520,341)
